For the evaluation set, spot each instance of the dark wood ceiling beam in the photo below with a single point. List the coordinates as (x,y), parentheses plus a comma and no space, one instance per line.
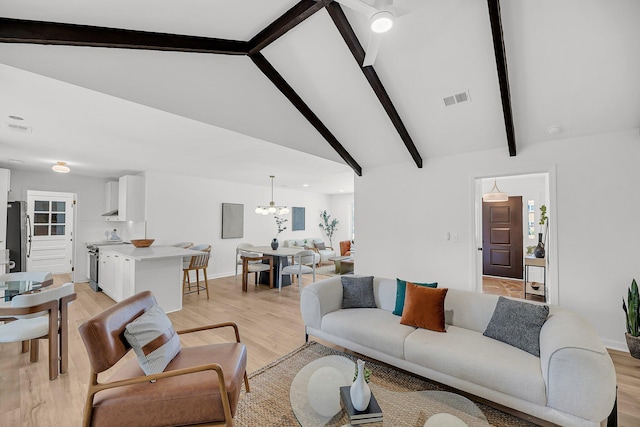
(38,32)
(503,74)
(284,87)
(350,38)
(284,23)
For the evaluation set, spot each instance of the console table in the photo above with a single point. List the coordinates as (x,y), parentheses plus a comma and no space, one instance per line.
(535,262)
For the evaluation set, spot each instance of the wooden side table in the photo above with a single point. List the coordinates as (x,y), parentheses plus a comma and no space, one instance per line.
(535,262)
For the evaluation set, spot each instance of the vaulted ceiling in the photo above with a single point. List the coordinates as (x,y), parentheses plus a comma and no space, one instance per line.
(571,63)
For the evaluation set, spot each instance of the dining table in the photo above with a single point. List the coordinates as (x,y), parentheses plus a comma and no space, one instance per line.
(280,258)
(11,288)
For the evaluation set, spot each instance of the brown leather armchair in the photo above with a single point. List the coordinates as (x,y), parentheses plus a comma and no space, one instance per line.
(345,248)
(200,385)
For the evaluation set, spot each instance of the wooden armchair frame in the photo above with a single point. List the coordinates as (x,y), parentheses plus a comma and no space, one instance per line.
(95,386)
(57,311)
(245,270)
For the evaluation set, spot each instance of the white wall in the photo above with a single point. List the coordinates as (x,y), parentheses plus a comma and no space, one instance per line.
(596,219)
(341,210)
(181,208)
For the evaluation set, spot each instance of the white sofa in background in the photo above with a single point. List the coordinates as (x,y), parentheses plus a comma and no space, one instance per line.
(310,242)
(572,383)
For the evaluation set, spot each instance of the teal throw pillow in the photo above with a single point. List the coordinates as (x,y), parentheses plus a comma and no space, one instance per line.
(401,289)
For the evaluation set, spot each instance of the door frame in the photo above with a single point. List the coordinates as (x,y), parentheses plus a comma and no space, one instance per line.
(552,240)
(28,192)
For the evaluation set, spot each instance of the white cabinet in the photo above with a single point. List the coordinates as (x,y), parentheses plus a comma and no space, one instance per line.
(131,199)
(4,197)
(117,275)
(128,268)
(107,271)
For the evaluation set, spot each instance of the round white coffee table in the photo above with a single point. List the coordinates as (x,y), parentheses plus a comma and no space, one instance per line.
(315,392)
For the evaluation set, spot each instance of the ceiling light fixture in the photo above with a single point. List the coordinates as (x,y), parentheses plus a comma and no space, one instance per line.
(495,195)
(272,208)
(382,21)
(61,167)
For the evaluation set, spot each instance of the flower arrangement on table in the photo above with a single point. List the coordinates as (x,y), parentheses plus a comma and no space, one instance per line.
(280,223)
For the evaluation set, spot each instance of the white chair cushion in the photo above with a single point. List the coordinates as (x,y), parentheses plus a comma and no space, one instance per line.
(24,329)
(297,268)
(253,268)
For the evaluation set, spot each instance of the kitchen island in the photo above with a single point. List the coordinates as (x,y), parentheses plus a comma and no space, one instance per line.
(126,270)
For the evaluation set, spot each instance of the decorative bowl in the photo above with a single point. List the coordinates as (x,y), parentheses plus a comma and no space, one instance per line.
(142,243)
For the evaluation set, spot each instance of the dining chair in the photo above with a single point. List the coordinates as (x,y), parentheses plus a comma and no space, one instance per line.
(183,245)
(301,262)
(255,264)
(240,249)
(41,315)
(200,385)
(197,263)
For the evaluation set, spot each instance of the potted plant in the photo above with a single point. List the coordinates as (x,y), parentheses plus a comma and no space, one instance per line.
(281,227)
(328,225)
(632,312)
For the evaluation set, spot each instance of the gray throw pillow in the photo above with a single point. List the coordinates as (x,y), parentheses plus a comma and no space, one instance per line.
(357,292)
(320,246)
(153,340)
(518,323)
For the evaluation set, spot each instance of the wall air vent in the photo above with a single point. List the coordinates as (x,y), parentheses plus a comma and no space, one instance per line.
(457,98)
(18,128)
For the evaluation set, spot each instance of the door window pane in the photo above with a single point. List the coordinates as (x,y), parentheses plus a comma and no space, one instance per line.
(57,230)
(41,206)
(57,218)
(40,230)
(41,218)
(58,206)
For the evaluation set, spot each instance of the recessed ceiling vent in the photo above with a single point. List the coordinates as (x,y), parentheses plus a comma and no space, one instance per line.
(457,98)
(18,128)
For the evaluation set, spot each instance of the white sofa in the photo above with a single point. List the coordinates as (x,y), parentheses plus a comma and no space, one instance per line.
(572,383)
(310,242)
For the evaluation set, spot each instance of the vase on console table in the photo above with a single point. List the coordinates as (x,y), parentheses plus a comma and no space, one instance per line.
(538,252)
(274,244)
(360,391)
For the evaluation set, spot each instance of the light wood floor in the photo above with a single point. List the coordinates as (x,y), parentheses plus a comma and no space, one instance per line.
(510,288)
(270,325)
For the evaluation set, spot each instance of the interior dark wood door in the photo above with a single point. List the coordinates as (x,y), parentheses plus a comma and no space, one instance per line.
(502,238)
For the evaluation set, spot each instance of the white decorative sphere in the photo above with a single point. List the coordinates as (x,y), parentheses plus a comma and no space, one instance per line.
(444,420)
(324,391)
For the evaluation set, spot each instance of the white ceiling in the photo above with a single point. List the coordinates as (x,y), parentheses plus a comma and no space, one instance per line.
(572,63)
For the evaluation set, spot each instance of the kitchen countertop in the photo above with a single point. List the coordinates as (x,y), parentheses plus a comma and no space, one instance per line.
(152,252)
(107,243)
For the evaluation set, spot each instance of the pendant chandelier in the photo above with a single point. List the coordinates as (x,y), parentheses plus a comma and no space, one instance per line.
(272,208)
(495,195)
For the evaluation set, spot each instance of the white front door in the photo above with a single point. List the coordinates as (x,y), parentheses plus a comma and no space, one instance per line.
(50,222)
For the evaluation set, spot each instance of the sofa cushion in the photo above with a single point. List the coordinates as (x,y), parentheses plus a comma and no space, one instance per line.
(369,327)
(401,290)
(320,246)
(470,356)
(518,323)
(424,307)
(357,292)
(153,339)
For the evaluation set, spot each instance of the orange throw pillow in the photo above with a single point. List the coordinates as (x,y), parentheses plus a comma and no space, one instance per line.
(424,307)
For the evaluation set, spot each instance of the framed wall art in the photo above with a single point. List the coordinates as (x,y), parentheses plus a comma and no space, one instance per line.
(297,219)
(232,220)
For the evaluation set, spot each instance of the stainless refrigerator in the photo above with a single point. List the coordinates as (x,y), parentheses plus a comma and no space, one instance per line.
(18,238)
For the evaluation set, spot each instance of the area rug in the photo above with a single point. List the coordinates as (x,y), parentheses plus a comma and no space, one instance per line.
(326,270)
(268,404)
